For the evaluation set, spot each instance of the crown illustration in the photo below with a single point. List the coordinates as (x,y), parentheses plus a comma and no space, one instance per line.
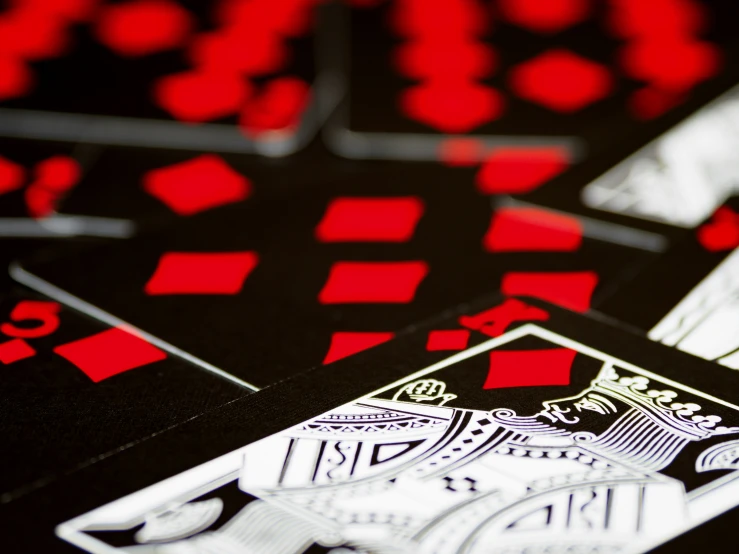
(660,405)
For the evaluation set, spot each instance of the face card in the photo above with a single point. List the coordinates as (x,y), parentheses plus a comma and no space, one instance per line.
(167,73)
(540,75)
(74,390)
(544,430)
(686,297)
(266,289)
(671,184)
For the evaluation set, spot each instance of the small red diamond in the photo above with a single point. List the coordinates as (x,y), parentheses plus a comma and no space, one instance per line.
(532,230)
(452,106)
(109,353)
(529,368)
(11,175)
(143,27)
(16,78)
(520,170)
(545,16)
(561,81)
(201,273)
(571,290)
(372,282)
(370,219)
(346,343)
(200,95)
(448,339)
(196,185)
(15,350)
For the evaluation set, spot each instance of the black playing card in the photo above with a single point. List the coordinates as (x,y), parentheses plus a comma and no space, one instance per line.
(264,289)
(540,428)
(74,390)
(162,73)
(568,78)
(686,298)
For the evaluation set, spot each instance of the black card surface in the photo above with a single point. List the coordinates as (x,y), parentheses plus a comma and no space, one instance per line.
(686,297)
(270,288)
(74,390)
(541,429)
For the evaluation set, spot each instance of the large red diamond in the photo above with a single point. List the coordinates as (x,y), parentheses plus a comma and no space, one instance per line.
(108,353)
(198,184)
(370,219)
(201,273)
(571,290)
(545,16)
(532,230)
(529,368)
(143,27)
(372,282)
(520,170)
(346,343)
(561,81)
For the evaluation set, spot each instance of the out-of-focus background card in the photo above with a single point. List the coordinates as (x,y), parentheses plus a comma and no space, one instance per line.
(572,76)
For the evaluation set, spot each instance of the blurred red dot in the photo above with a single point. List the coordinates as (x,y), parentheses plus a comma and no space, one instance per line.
(439,18)
(32,34)
(197,96)
(461,152)
(461,58)
(545,16)
(671,64)
(278,107)
(290,18)
(73,10)
(143,27)
(58,173)
(649,102)
(452,106)
(11,175)
(561,81)
(16,78)
(656,18)
(257,53)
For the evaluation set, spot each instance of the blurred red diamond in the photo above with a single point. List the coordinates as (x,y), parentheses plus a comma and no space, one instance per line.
(561,81)
(196,185)
(197,96)
(545,16)
(452,106)
(143,27)
(532,230)
(520,170)
(11,175)
(571,290)
(15,350)
(447,339)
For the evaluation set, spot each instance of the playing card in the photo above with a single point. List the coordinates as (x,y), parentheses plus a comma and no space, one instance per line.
(264,289)
(686,298)
(161,73)
(541,430)
(75,390)
(665,184)
(560,79)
